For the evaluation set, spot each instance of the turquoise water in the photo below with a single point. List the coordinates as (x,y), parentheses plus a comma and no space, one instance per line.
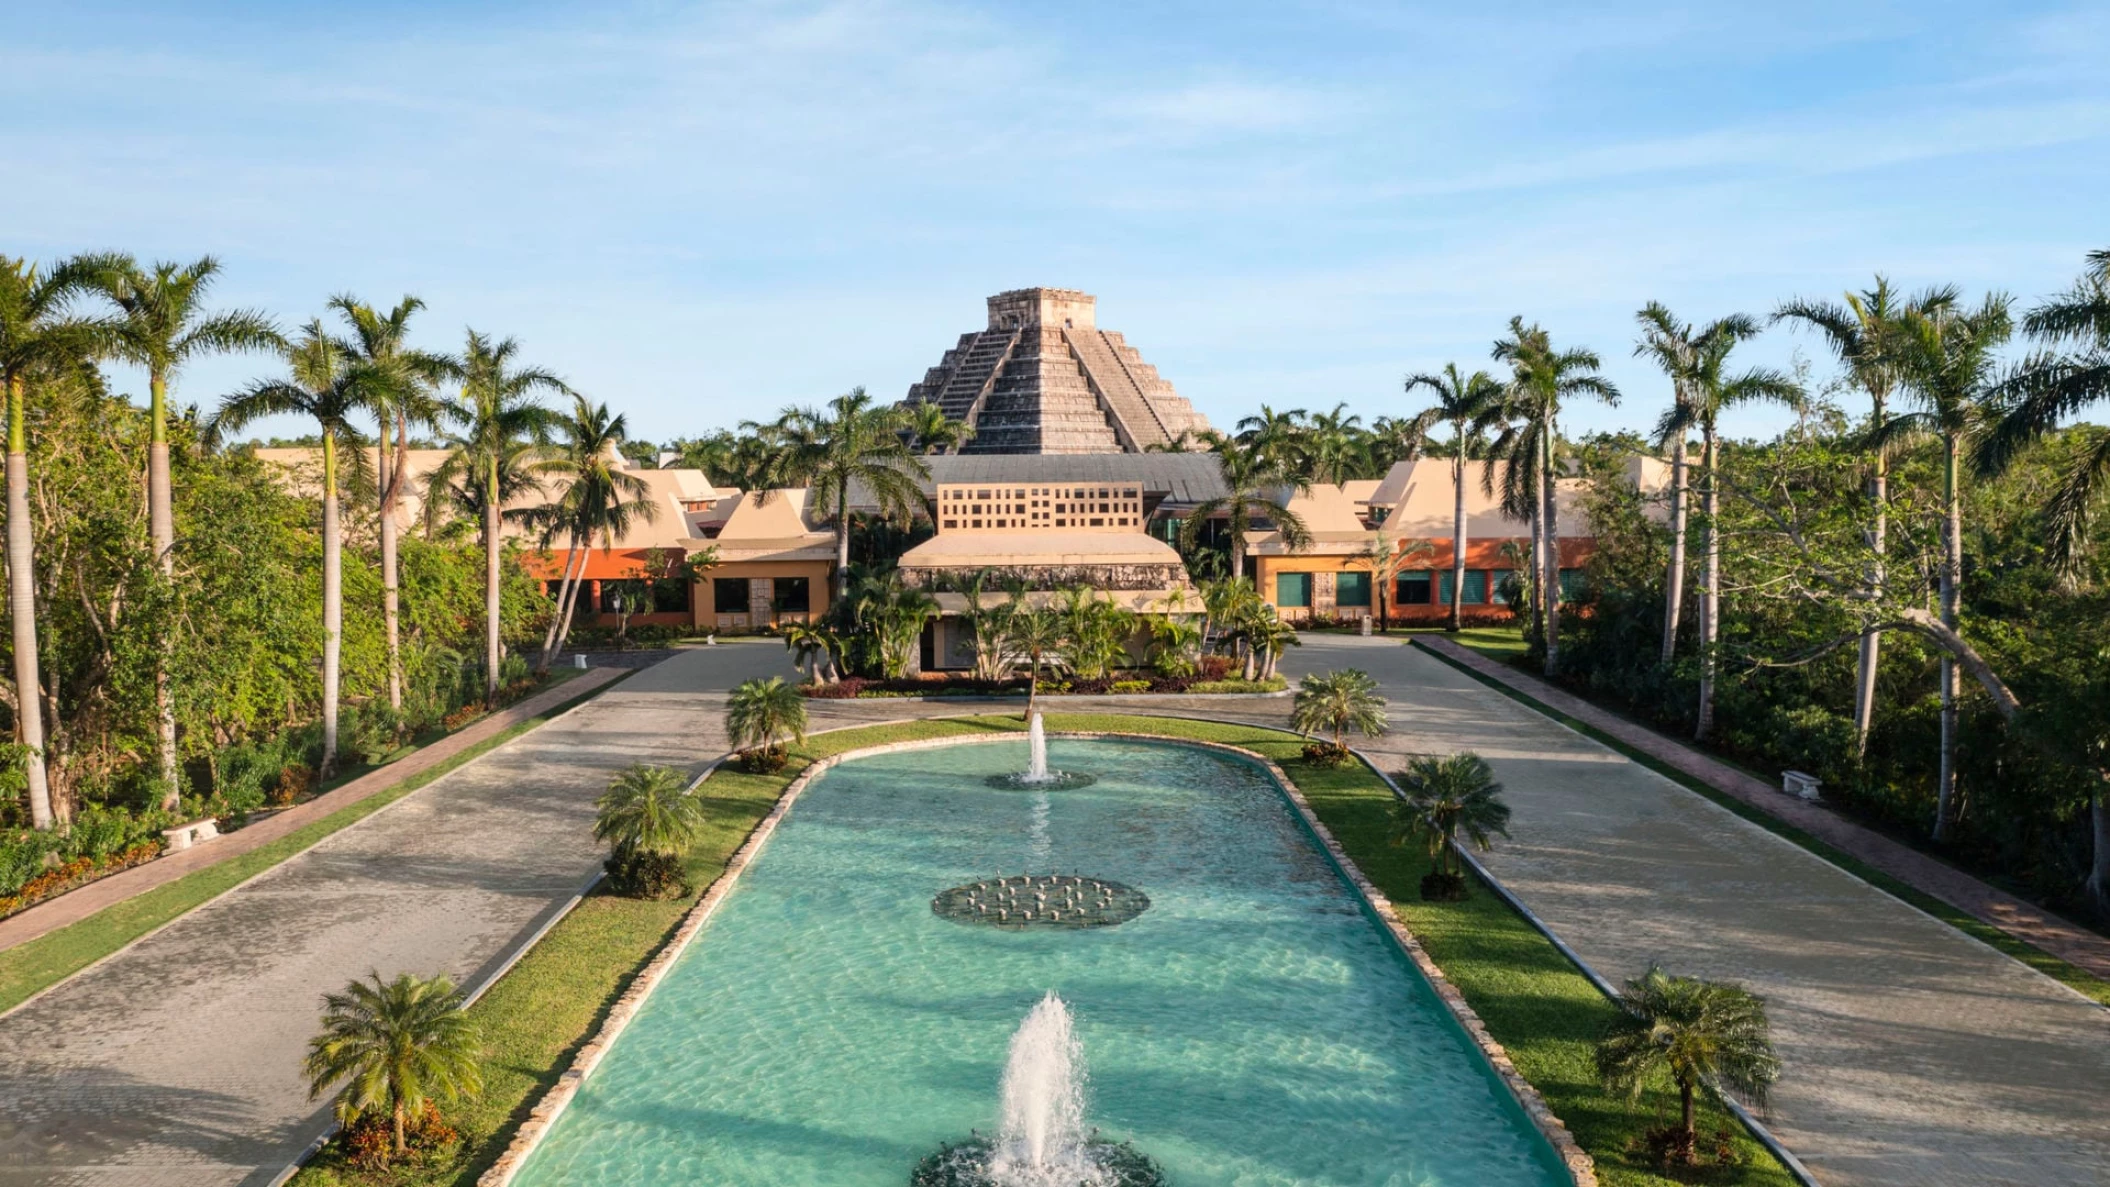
(1253,1027)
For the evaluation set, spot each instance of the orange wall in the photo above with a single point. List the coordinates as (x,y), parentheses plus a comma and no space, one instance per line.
(1481,555)
(819,588)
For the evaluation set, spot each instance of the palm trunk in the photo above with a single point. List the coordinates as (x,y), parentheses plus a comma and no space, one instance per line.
(2099,867)
(491,545)
(1872,642)
(1710,592)
(332,601)
(1551,599)
(161,527)
(1458,536)
(560,618)
(1685,1109)
(1536,593)
(391,583)
(1674,580)
(1951,597)
(22,612)
(842,541)
(402,1147)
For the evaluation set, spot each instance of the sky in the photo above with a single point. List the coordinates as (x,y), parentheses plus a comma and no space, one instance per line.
(702,213)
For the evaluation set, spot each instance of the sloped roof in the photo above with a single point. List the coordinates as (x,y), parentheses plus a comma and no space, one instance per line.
(996,550)
(1181,479)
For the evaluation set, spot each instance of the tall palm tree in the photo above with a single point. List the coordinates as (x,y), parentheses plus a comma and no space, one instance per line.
(1947,359)
(850,442)
(405,393)
(1674,347)
(1337,702)
(394,1045)
(1702,1034)
(1278,437)
(1253,485)
(39,336)
(1540,379)
(1712,391)
(1335,445)
(1861,334)
(330,389)
(601,500)
(161,325)
(1466,403)
(496,412)
(931,431)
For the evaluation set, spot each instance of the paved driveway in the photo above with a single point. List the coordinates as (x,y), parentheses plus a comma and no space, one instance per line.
(1914,1055)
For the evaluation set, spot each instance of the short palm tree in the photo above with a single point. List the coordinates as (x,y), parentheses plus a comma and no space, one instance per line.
(1541,379)
(1388,557)
(1705,1035)
(763,714)
(1338,702)
(989,627)
(405,394)
(1466,403)
(394,1045)
(851,442)
(39,337)
(497,412)
(1947,358)
(329,388)
(601,500)
(1254,480)
(648,809)
(1042,640)
(814,650)
(161,325)
(1447,798)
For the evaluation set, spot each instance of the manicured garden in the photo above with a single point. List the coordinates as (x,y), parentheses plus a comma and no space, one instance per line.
(1539,1006)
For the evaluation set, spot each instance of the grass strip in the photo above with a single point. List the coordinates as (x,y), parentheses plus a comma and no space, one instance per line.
(32,967)
(2058,969)
(1537,1004)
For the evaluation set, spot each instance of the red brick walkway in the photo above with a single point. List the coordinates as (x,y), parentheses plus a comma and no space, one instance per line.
(76,905)
(2025,921)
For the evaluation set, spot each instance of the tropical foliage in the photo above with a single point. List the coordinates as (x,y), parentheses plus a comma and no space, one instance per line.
(1337,702)
(1449,800)
(1704,1036)
(393,1047)
(762,715)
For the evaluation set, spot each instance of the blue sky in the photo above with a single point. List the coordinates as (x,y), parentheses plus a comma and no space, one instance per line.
(701,213)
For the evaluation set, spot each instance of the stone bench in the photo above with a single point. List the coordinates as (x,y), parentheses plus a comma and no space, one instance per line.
(197,832)
(1800,784)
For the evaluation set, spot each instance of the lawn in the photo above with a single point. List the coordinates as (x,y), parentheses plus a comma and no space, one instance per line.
(1534,1002)
(30,968)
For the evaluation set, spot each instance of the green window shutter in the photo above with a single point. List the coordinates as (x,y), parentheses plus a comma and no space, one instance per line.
(1351,589)
(1293,589)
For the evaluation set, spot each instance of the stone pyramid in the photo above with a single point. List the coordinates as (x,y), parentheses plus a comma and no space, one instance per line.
(1043,378)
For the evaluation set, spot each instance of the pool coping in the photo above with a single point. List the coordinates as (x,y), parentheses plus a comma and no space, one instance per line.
(1582,1170)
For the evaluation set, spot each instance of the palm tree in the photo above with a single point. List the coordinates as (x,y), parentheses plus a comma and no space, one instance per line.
(404,393)
(1279,438)
(1338,702)
(161,325)
(38,337)
(1703,1034)
(2053,387)
(1334,445)
(762,714)
(1388,558)
(895,614)
(1699,360)
(852,441)
(814,650)
(1540,379)
(989,627)
(394,1045)
(648,809)
(1861,333)
(931,431)
(1466,403)
(1253,483)
(1446,798)
(1042,639)
(326,386)
(1947,361)
(601,499)
(496,412)
(1675,348)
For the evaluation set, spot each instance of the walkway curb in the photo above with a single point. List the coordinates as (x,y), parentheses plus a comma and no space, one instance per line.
(2023,920)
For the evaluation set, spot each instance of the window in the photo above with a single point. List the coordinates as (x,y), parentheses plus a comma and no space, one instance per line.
(1496,593)
(1475,587)
(1574,585)
(1293,589)
(1414,589)
(1443,587)
(729,595)
(670,597)
(793,595)
(1351,589)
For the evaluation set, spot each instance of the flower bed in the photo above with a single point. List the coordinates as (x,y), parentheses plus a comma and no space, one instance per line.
(1122,684)
(78,872)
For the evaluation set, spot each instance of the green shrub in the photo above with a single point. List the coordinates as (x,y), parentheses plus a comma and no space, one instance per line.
(22,858)
(100,832)
(1130,686)
(639,873)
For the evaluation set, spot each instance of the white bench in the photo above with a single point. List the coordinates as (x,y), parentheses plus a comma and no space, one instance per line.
(1800,784)
(197,832)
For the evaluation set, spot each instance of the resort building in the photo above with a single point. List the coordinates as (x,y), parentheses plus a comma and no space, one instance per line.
(1415,503)
(1041,377)
(773,565)
(1047,536)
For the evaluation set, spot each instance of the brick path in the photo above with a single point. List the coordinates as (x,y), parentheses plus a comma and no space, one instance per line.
(1915,1056)
(2023,920)
(77,905)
